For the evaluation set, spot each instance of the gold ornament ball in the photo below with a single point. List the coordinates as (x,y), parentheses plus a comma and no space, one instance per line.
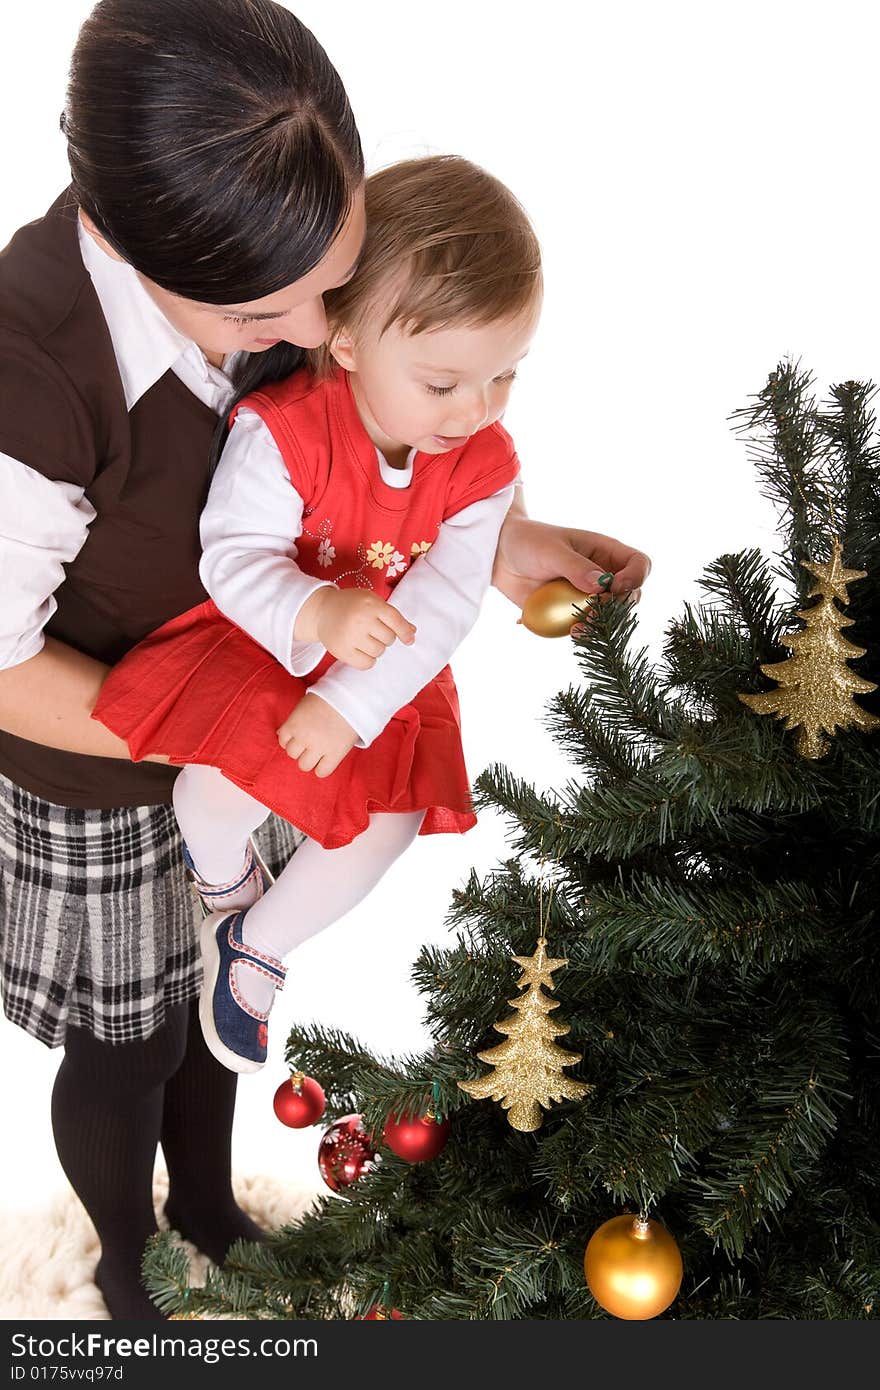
(549,611)
(633,1267)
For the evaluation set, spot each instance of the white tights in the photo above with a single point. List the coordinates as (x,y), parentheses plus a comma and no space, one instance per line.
(317,886)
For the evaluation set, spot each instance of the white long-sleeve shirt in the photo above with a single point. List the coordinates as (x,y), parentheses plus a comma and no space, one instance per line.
(44,524)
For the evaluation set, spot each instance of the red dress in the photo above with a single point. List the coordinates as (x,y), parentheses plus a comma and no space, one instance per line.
(200,690)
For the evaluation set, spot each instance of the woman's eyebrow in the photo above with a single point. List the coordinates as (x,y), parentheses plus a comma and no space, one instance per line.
(246,314)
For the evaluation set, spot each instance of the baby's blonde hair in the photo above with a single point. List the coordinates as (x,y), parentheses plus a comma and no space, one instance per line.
(452,244)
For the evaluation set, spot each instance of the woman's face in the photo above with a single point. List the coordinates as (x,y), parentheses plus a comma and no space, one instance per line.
(294,314)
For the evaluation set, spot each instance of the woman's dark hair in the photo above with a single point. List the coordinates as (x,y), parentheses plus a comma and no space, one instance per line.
(212,143)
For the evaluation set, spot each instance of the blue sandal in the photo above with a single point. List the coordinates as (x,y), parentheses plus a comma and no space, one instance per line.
(235,1032)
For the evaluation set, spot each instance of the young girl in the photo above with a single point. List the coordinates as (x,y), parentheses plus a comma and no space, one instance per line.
(380,472)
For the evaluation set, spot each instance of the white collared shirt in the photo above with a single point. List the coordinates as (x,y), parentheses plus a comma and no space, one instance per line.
(249,529)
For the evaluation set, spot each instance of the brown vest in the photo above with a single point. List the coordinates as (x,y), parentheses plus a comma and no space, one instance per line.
(63,413)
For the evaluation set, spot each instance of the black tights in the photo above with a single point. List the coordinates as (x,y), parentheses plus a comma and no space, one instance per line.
(111,1106)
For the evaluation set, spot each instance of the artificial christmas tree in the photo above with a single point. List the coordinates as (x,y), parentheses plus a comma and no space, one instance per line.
(715,895)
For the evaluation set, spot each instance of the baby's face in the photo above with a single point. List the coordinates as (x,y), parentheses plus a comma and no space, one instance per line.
(432,391)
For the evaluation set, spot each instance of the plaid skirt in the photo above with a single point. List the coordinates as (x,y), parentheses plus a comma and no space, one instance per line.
(97,917)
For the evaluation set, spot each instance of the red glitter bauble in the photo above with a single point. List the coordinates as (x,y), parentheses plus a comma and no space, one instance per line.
(416,1138)
(345,1152)
(379,1314)
(299,1101)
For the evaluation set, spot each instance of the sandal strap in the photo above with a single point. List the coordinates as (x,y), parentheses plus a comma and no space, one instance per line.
(256,962)
(222,890)
(249,955)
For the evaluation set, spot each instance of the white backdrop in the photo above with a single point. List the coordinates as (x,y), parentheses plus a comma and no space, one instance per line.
(702,178)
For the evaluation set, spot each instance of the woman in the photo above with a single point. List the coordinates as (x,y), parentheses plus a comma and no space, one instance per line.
(216,195)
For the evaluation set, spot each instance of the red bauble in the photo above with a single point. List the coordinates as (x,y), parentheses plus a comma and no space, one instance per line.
(416,1138)
(345,1152)
(299,1101)
(379,1314)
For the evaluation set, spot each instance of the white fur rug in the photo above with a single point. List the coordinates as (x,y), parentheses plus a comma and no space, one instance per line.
(48,1255)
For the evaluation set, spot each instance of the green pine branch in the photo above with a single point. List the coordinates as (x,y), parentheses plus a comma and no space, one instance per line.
(774,1144)
(581,730)
(852,453)
(783,441)
(741,588)
(685,925)
(624,689)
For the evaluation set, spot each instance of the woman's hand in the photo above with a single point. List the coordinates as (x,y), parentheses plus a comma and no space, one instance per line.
(355,625)
(316,737)
(531,552)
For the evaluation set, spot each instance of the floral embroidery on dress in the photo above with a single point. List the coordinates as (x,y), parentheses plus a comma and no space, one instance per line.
(359,580)
(380,553)
(383,556)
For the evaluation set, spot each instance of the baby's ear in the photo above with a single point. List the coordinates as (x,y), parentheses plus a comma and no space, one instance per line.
(342,350)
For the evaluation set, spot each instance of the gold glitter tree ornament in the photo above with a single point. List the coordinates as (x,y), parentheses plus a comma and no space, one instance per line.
(527,1068)
(815,686)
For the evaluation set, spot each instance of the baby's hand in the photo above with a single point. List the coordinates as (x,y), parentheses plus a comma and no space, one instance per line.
(355,625)
(316,736)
